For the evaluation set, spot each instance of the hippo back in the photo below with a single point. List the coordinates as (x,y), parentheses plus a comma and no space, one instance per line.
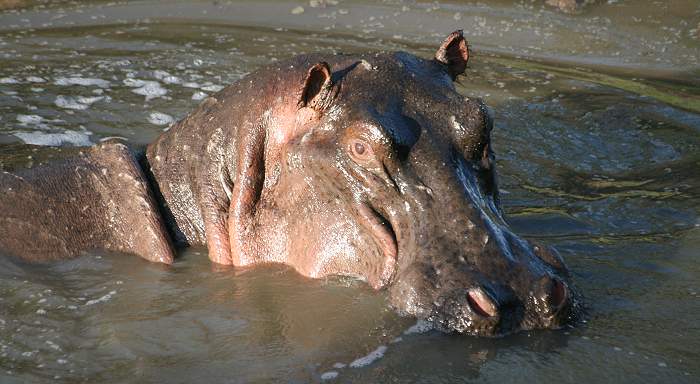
(91,198)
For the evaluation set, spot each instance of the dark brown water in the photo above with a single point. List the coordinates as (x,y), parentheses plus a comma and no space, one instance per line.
(597,137)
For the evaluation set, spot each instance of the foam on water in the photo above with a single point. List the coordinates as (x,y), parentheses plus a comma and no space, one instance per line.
(102,299)
(35,79)
(29,119)
(85,82)
(369,358)
(159,118)
(36,121)
(330,375)
(149,88)
(212,88)
(76,103)
(199,95)
(421,326)
(78,139)
(8,80)
(166,77)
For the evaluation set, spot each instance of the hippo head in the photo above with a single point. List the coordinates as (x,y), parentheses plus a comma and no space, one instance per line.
(389,175)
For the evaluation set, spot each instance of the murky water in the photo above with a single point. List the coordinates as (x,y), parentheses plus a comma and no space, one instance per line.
(597,136)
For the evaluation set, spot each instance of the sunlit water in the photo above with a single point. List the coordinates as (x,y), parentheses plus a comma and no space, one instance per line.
(597,136)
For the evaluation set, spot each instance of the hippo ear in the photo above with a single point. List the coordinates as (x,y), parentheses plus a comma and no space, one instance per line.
(316,92)
(454,52)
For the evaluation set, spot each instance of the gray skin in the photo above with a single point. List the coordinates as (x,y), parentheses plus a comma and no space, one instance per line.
(93,198)
(370,166)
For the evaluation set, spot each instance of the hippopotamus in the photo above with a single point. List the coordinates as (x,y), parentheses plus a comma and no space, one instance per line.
(371,166)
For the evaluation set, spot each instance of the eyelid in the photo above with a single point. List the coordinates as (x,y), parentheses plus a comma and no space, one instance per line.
(375,139)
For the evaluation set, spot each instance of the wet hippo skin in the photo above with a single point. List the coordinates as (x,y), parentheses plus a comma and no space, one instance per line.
(370,166)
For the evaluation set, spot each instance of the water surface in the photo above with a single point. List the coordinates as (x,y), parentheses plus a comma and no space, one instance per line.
(597,136)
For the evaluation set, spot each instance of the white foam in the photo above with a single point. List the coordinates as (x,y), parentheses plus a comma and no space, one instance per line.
(212,88)
(69,103)
(9,80)
(370,358)
(159,118)
(77,103)
(339,365)
(166,77)
(191,84)
(330,375)
(199,95)
(102,299)
(150,89)
(78,139)
(53,345)
(131,82)
(421,326)
(36,121)
(30,119)
(35,79)
(83,81)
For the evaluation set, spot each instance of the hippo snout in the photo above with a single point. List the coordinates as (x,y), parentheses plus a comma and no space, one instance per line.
(506,288)
(499,311)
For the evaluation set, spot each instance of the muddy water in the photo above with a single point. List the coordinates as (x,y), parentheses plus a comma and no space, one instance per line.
(597,136)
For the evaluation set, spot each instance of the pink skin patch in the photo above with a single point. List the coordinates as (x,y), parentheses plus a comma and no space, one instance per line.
(481,303)
(384,238)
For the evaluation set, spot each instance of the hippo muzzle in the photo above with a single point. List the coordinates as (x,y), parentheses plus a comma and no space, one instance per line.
(458,264)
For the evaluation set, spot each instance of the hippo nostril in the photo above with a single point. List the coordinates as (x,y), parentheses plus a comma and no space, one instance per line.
(481,303)
(558,294)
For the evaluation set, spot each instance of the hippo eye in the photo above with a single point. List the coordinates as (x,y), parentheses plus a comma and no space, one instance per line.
(361,150)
